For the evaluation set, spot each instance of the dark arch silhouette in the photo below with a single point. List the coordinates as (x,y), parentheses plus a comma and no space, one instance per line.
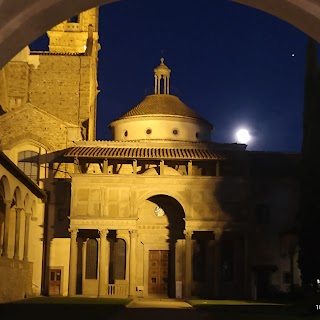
(176,226)
(23,21)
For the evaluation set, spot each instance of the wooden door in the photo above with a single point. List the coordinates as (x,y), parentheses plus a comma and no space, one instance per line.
(158,272)
(55,282)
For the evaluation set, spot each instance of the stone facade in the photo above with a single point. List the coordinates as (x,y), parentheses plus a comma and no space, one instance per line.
(21,210)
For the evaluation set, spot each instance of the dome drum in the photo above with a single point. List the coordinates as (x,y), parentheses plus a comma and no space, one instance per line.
(161,128)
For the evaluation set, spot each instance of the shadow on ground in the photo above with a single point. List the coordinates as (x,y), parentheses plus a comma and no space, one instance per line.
(92,312)
(147,310)
(120,312)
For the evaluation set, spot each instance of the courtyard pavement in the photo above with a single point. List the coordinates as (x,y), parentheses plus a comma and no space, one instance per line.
(160,309)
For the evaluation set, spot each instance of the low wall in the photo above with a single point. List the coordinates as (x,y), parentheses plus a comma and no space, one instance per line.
(15,280)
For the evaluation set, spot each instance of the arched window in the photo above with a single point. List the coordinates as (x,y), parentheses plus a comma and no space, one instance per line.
(92,259)
(117,260)
(28,162)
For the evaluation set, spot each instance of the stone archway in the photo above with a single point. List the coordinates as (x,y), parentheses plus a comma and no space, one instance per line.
(161,226)
(23,21)
(303,14)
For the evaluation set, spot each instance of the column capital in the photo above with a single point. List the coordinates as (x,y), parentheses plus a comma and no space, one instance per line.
(73,231)
(188,233)
(8,203)
(217,233)
(133,233)
(18,210)
(103,232)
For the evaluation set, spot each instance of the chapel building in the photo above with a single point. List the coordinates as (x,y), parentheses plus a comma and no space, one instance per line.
(161,210)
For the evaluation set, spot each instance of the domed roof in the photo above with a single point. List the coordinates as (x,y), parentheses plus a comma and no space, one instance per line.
(162,104)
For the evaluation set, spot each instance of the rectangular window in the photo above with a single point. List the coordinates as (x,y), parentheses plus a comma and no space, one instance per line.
(28,162)
(117,268)
(92,259)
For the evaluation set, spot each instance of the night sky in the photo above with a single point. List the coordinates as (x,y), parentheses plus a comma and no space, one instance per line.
(235,65)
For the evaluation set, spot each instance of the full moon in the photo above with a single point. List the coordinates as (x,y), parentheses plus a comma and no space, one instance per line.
(243,136)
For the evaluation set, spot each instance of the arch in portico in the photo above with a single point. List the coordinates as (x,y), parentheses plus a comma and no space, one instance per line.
(154,193)
(27,203)
(5,190)
(24,21)
(161,225)
(18,198)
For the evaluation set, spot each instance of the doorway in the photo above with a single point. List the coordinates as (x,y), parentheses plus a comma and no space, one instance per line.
(158,272)
(263,284)
(55,282)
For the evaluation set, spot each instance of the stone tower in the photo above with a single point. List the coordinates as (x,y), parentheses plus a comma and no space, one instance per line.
(51,96)
(67,74)
(47,101)
(71,36)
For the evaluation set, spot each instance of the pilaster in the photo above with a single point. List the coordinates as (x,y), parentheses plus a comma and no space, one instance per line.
(188,264)
(133,263)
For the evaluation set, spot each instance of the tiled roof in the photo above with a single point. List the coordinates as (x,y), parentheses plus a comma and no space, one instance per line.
(162,104)
(143,153)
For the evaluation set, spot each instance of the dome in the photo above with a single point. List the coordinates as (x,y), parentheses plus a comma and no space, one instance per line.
(162,104)
(161,116)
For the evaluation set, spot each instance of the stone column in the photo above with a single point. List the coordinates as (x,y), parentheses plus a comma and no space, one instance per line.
(73,262)
(161,167)
(188,264)
(103,263)
(134,166)
(6,228)
(105,168)
(17,234)
(217,262)
(133,263)
(155,84)
(190,168)
(246,266)
(26,237)
(217,168)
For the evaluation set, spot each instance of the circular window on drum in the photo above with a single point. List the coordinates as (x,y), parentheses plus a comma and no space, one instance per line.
(197,135)
(175,131)
(125,134)
(148,131)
